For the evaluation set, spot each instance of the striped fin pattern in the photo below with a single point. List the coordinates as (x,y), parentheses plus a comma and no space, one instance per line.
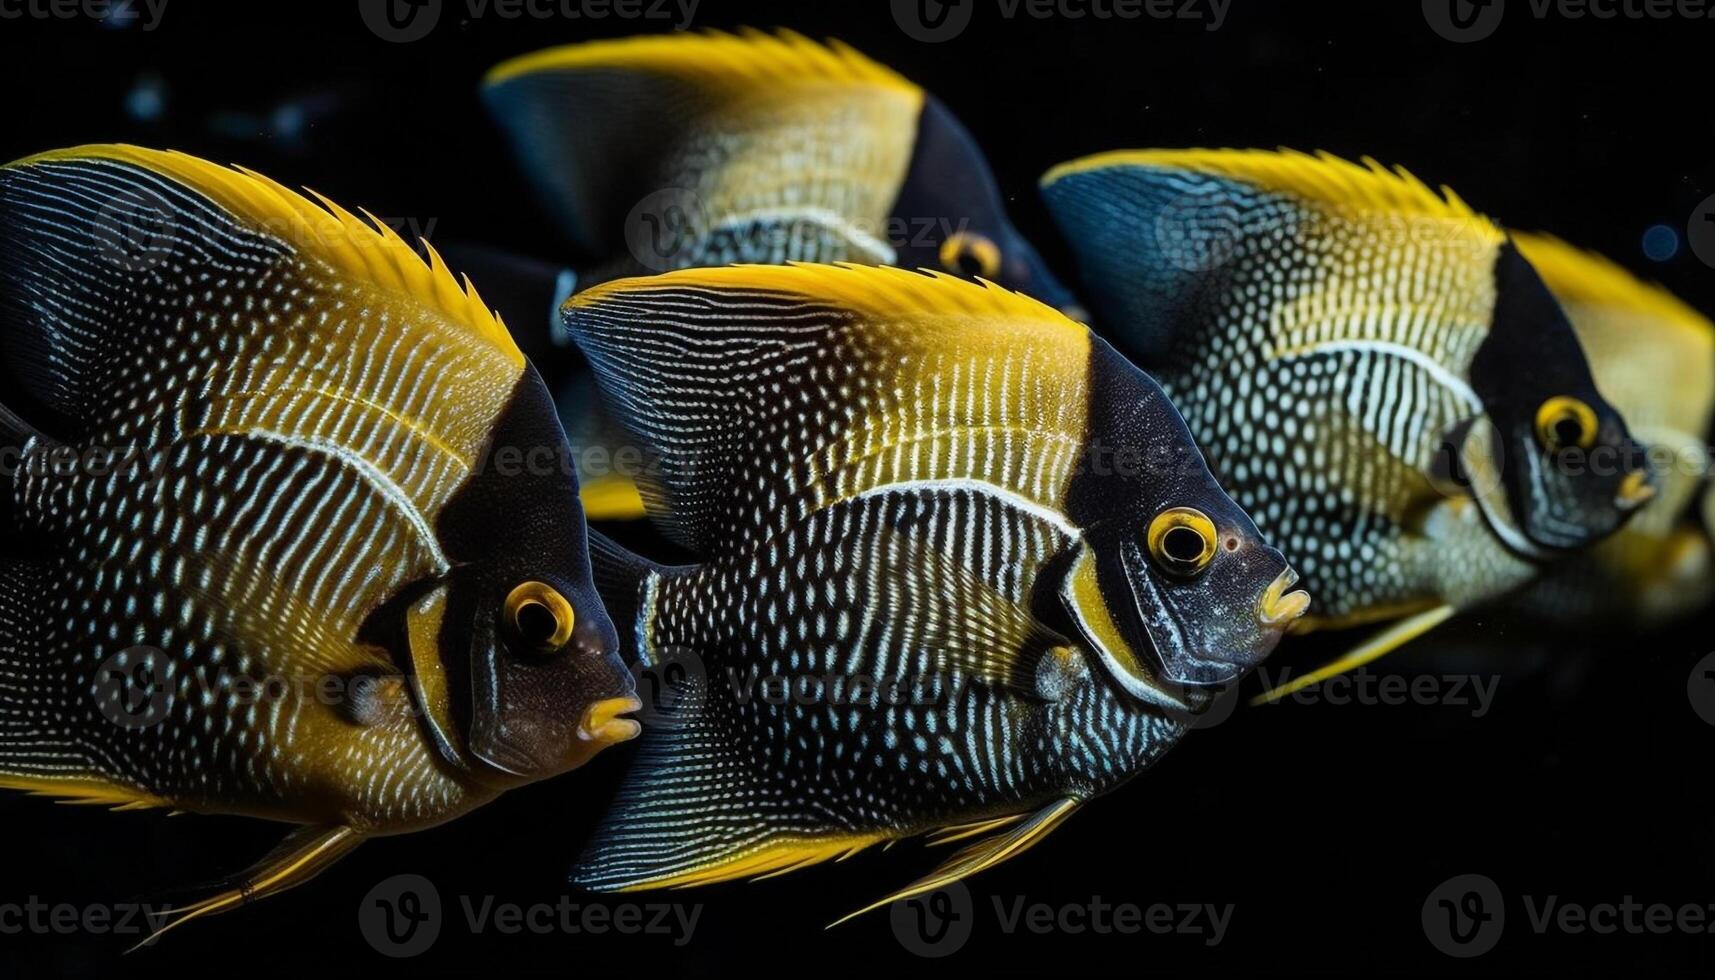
(306,406)
(781,389)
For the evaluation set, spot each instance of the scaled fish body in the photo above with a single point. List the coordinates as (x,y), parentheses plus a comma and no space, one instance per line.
(1375,372)
(903,482)
(305,591)
(1653,357)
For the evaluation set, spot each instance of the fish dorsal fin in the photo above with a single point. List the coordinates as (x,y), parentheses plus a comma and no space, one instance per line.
(783,389)
(748,61)
(1322,179)
(1581,278)
(608,131)
(1168,238)
(1652,356)
(364,250)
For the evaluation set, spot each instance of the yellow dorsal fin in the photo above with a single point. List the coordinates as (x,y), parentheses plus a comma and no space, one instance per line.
(747,61)
(1322,178)
(367,251)
(1576,275)
(868,290)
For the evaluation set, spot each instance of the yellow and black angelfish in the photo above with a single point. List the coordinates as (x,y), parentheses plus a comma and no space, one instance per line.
(899,482)
(256,560)
(1376,373)
(783,149)
(673,152)
(1654,358)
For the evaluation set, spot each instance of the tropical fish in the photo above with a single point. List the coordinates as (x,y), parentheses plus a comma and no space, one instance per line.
(670,152)
(1654,358)
(265,552)
(902,481)
(774,147)
(1375,372)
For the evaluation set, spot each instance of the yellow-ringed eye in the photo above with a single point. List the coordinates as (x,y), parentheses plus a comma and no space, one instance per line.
(1182,540)
(539,617)
(970,254)
(1564,422)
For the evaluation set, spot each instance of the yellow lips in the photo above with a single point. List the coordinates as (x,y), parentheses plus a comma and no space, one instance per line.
(602,722)
(1279,607)
(1635,491)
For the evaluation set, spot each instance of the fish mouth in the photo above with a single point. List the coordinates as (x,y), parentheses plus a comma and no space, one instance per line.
(1278,608)
(602,722)
(1636,490)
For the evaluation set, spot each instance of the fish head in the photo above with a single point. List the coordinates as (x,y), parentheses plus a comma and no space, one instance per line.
(531,658)
(950,216)
(1550,461)
(1175,586)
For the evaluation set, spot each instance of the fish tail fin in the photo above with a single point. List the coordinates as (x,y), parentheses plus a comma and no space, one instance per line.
(527,293)
(627,583)
(690,813)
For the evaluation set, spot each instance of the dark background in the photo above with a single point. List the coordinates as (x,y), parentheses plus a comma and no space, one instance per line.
(1327,825)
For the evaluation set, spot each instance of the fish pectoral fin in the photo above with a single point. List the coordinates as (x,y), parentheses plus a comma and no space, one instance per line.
(305,853)
(612,498)
(983,854)
(1376,647)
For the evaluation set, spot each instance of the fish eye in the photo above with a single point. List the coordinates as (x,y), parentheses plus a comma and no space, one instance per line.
(539,617)
(1564,422)
(970,254)
(1182,540)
